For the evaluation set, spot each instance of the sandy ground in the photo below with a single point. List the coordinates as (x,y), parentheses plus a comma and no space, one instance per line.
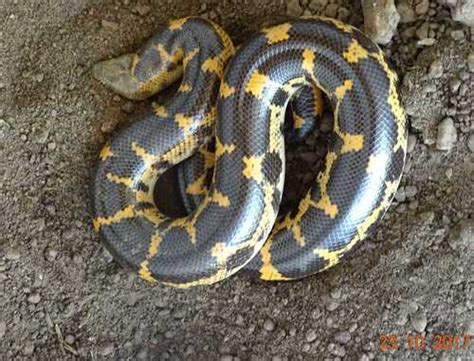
(63,297)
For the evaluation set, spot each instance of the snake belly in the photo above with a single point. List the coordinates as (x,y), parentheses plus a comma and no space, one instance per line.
(365,159)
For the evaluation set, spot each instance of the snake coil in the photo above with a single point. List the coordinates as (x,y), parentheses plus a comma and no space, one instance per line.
(235,226)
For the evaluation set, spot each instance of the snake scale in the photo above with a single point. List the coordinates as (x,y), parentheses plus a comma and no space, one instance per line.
(239,100)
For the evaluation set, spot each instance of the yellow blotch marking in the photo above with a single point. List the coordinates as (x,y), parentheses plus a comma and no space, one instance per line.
(221,252)
(253,167)
(145,273)
(220,274)
(160,110)
(189,56)
(350,142)
(177,24)
(338,24)
(294,224)
(106,152)
(221,199)
(308,61)
(148,158)
(297,121)
(127,212)
(341,90)
(215,65)
(332,257)
(318,103)
(221,148)
(226,90)
(184,121)
(355,52)
(268,272)
(277,33)
(126,181)
(324,202)
(394,102)
(198,186)
(185,87)
(151,215)
(142,196)
(257,83)
(181,150)
(275,138)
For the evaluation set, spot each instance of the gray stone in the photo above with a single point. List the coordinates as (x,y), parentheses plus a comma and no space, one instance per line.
(470,142)
(12,255)
(34,298)
(422,7)
(331,10)
(337,350)
(406,12)
(294,8)
(419,322)
(454,84)
(457,35)
(436,69)
(462,11)
(311,336)
(343,337)
(317,4)
(447,135)
(380,19)
(470,61)
(107,350)
(269,325)
(28,348)
(411,191)
(3,329)
(412,139)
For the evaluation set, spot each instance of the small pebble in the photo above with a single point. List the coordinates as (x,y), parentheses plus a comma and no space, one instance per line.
(337,350)
(419,322)
(142,10)
(34,298)
(107,350)
(470,61)
(343,337)
(109,25)
(457,35)
(3,329)
(294,8)
(454,84)
(436,69)
(447,135)
(412,139)
(311,336)
(411,191)
(28,348)
(269,325)
(470,142)
(70,339)
(12,255)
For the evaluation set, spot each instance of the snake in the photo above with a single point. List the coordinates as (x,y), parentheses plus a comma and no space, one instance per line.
(238,99)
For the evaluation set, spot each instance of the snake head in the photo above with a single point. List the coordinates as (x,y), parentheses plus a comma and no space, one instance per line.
(117,74)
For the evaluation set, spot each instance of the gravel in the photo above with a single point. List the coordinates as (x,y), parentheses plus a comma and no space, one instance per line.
(63,297)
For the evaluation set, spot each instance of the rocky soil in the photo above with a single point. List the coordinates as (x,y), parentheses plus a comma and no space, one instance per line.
(63,297)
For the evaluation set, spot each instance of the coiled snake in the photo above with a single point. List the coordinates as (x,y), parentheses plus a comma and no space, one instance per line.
(243,108)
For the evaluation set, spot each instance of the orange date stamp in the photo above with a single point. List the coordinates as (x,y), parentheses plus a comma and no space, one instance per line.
(418,342)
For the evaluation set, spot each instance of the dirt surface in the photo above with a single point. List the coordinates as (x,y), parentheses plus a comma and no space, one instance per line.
(63,297)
